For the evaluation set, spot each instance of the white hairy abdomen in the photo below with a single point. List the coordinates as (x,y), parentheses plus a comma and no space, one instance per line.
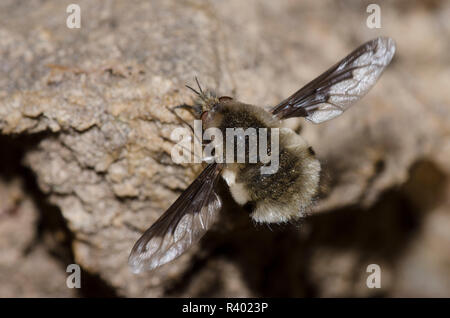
(238,190)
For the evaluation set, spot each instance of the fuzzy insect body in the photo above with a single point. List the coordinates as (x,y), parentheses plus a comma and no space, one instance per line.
(276,197)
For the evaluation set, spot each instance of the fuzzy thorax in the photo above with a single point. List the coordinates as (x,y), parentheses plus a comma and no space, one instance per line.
(285,195)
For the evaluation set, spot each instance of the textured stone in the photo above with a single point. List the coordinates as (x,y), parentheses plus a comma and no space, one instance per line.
(99,97)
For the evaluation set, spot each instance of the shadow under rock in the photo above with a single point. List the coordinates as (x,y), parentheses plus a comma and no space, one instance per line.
(52,230)
(276,261)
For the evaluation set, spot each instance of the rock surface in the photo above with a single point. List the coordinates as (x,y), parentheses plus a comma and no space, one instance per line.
(97,98)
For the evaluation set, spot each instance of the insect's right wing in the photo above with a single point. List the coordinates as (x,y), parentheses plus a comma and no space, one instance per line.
(183,224)
(330,94)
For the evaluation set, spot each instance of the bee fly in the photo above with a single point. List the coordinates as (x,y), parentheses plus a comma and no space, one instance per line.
(278,197)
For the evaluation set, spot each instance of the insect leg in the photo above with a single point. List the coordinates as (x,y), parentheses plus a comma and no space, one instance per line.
(188,107)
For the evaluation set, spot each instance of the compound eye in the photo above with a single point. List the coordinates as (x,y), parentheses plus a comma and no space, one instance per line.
(204,116)
(225,98)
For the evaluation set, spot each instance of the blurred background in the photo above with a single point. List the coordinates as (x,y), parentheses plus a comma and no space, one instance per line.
(85,162)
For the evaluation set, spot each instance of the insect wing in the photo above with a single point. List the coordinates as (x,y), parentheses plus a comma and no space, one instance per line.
(330,94)
(183,224)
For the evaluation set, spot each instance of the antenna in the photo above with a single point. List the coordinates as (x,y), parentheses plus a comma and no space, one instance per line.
(201,94)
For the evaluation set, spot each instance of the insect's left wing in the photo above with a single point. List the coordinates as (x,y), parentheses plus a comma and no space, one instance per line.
(330,94)
(183,224)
